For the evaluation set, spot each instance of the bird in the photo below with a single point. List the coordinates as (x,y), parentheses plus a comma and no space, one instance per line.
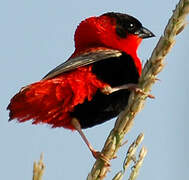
(94,84)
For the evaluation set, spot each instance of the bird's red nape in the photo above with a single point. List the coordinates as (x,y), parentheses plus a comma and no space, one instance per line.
(102,33)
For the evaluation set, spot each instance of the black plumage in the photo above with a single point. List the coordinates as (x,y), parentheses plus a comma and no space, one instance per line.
(115,71)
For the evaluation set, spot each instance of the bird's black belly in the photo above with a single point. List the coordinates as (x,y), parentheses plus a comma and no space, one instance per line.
(114,71)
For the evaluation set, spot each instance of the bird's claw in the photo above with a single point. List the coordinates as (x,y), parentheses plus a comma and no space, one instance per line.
(99,155)
(138,90)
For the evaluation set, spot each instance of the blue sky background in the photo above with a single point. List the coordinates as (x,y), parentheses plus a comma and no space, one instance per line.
(36,36)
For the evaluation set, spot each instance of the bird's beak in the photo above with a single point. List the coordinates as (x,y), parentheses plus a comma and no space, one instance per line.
(144,33)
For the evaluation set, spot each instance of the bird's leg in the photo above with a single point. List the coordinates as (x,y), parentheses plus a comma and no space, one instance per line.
(96,154)
(132,87)
(77,126)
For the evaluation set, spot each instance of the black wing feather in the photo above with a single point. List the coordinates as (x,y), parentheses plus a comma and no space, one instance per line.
(83,60)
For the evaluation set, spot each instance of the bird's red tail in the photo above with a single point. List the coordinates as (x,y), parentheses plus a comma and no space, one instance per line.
(51,101)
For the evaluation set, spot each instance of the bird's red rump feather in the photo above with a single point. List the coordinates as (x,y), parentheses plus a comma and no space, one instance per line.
(51,101)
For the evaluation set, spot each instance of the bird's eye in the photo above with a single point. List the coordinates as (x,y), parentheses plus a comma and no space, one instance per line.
(131,26)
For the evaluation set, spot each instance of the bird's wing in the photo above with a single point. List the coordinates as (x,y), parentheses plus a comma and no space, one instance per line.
(83,60)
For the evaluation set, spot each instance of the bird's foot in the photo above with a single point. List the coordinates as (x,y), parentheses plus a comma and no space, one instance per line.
(99,155)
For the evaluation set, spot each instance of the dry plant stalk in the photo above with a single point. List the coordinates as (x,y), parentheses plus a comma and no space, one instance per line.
(131,157)
(136,101)
(38,169)
(138,164)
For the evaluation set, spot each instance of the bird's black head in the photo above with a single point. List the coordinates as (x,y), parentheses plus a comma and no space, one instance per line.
(126,24)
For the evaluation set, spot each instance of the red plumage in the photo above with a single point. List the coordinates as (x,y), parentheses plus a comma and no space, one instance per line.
(51,101)
(95,32)
(74,95)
